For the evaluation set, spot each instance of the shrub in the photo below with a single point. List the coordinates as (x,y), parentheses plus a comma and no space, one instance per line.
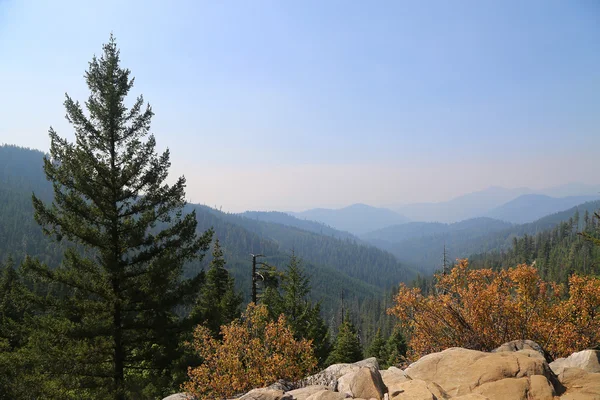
(253,352)
(481,309)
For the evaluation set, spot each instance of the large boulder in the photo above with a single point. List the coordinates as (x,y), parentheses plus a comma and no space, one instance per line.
(305,392)
(326,395)
(393,376)
(580,384)
(266,394)
(416,390)
(460,371)
(535,387)
(520,345)
(178,396)
(329,376)
(363,383)
(587,360)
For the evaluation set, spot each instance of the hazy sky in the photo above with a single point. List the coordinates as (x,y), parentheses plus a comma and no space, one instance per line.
(289,105)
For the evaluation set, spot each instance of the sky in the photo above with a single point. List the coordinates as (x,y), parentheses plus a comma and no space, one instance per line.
(288,105)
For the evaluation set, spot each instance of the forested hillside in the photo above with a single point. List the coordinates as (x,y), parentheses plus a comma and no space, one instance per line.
(333,262)
(304,224)
(421,245)
(556,252)
(530,207)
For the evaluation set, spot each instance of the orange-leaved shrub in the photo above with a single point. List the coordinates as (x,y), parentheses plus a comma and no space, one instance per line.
(482,309)
(253,352)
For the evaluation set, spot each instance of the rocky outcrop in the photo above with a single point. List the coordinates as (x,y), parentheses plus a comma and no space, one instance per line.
(587,360)
(363,383)
(519,345)
(266,394)
(178,396)
(461,371)
(305,392)
(580,384)
(515,371)
(329,376)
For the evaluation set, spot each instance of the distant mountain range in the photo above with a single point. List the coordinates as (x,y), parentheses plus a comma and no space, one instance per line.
(467,206)
(357,218)
(529,207)
(420,245)
(485,202)
(518,206)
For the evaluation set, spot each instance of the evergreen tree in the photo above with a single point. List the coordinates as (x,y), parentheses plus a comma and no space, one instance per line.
(395,348)
(111,330)
(377,348)
(18,378)
(347,347)
(303,316)
(219,303)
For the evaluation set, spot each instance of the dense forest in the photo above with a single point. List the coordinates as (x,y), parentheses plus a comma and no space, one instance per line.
(557,253)
(338,264)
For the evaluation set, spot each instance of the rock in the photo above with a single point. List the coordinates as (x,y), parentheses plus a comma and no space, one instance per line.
(393,376)
(587,360)
(305,392)
(265,394)
(580,384)
(283,385)
(364,383)
(471,396)
(178,396)
(517,345)
(326,395)
(459,371)
(329,376)
(541,388)
(416,390)
(509,388)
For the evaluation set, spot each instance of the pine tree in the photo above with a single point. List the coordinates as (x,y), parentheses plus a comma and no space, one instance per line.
(347,347)
(219,303)
(395,348)
(17,377)
(111,330)
(378,348)
(302,315)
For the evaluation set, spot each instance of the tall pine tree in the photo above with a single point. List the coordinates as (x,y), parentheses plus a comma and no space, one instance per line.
(302,315)
(112,328)
(219,303)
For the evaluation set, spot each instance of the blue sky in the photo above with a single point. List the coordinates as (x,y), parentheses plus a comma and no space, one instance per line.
(293,104)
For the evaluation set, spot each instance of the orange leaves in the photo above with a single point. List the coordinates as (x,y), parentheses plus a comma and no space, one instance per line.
(254,352)
(481,309)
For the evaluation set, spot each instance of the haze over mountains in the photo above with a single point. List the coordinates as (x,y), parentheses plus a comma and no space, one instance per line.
(518,206)
(356,218)
(360,245)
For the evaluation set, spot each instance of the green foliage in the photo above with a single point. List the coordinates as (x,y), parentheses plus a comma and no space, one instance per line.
(347,347)
(377,348)
(292,300)
(388,352)
(557,253)
(110,328)
(219,303)
(395,349)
